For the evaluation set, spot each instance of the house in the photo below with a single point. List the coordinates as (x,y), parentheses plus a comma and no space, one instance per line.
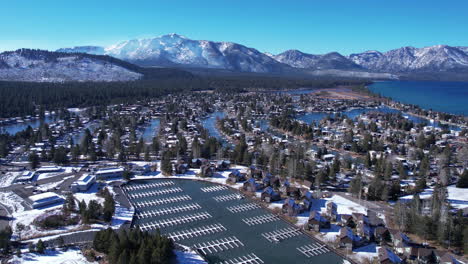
(235,176)
(317,221)
(181,168)
(348,239)
(45,199)
(347,220)
(251,185)
(387,256)
(373,219)
(270,195)
(332,210)
(422,255)
(222,165)
(381,235)
(401,243)
(254,172)
(83,183)
(364,230)
(197,163)
(207,170)
(291,207)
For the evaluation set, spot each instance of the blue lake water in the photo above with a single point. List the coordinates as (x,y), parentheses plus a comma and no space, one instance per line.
(450,97)
(151,130)
(17,127)
(209,124)
(317,116)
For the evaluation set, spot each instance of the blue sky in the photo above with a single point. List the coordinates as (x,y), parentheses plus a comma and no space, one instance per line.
(314,26)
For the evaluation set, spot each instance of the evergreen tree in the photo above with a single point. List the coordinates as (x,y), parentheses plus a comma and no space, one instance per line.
(33,160)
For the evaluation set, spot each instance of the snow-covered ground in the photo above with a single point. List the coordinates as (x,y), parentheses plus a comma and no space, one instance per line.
(51,185)
(457,197)
(188,256)
(71,256)
(9,177)
(90,194)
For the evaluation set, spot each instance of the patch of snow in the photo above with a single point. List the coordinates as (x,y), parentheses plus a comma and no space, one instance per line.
(71,256)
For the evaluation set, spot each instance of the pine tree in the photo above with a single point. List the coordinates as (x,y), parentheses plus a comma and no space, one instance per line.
(463,180)
(40,247)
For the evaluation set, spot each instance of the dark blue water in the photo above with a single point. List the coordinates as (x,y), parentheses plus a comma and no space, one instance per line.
(151,130)
(450,97)
(210,125)
(17,127)
(352,114)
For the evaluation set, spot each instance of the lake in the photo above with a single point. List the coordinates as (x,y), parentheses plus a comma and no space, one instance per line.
(450,97)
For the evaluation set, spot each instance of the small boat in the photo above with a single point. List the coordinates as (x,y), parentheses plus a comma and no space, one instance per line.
(275,239)
(240,197)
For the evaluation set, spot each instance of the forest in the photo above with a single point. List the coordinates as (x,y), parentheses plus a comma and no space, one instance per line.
(27,98)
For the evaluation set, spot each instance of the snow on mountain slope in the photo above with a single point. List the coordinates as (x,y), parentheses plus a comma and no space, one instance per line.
(333,60)
(175,49)
(434,58)
(43,66)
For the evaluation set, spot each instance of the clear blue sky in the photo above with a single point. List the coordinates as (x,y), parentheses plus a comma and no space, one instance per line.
(314,26)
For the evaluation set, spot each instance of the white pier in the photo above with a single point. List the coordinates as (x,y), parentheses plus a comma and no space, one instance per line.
(313,250)
(227,197)
(196,232)
(169,210)
(243,207)
(155,193)
(218,245)
(216,188)
(175,221)
(247,259)
(148,185)
(167,200)
(261,219)
(281,234)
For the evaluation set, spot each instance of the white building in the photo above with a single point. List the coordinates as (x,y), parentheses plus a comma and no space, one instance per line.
(45,199)
(48,169)
(26,176)
(83,183)
(103,174)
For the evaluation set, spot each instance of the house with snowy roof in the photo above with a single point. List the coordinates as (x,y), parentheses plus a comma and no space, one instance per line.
(317,221)
(387,256)
(270,195)
(236,176)
(291,207)
(348,239)
(251,185)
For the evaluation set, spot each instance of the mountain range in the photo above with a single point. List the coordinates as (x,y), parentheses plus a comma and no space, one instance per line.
(45,66)
(439,62)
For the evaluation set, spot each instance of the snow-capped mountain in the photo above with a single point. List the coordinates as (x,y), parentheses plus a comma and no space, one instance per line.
(45,66)
(333,60)
(173,49)
(178,51)
(408,59)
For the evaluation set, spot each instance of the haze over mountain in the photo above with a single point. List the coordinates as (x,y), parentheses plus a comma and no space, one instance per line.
(179,51)
(46,66)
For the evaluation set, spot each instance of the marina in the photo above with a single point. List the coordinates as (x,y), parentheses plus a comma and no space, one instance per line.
(217,226)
